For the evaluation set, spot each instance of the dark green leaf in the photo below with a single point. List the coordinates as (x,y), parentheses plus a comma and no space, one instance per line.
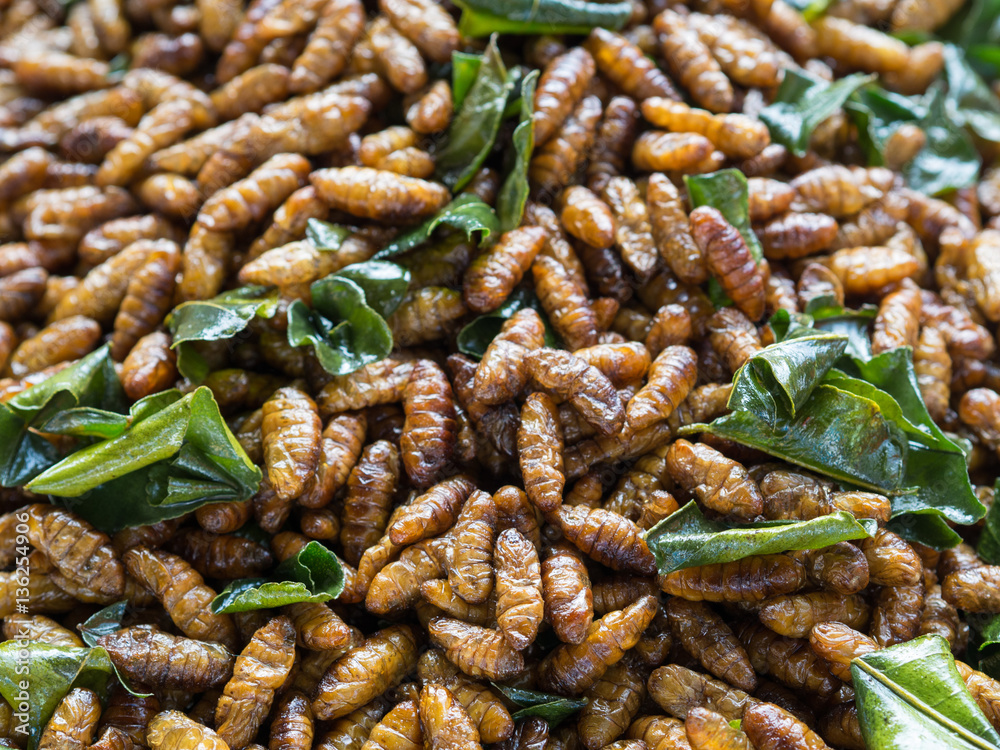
(476,336)
(911,697)
(949,160)
(776,382)
(976,28)
(927,528)
(344,331)
(464,67)
(384,284)
(485,17)
(326,236)
(850,323)
(221,317)
(313,575)
(878,113)
(514,190)
(474,127)
(467,213)
(163,466)
(38,675)
(554,709)
(970,102)
(686,539)
(727,191)
(90,383)
(989,540)
(103,622)
(803,102)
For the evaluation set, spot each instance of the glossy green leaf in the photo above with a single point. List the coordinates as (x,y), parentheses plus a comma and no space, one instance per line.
(970,102)
(167,464)
(383,283)
(475,337)
(975,28)
(949,160)
(474,127)
(464,67)
(850,323)
(313,575)
(878,113)
(36,676)
(466,213)
(90,383)
(989,540)
(926,527)
(776,382)
(87,421)
(802,103)
(911,697)
(727,191)
(344,331)
(221,317)
(326,236)
(553,708)
(514,191)
(485,17)
(686,539)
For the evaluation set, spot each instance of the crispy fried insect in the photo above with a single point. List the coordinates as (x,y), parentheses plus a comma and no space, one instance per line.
(471,574)
(20,292)
(340,447)
(658,150)
(677,690)
(984,689)
(249,200)
(572,668)
(171,194)
(74,721)
(841,568)
(563,83)
(790,661)
(707,637)
(318,627)
(129,714)
(898,319)
(520,606)
(891,561)
(177,55)
(565,303)
(839,644)
(633,232)
(477,651)
(796,235)
(251,91)
(292,727)
(426,24)
(39,628)
(708,730)
(261,668)
(566,590)
(397,585)
(671,231)
(182,592)
(586,216)
(983,271)
(623,364)
(729,260)
(658,733)
(613,143)
(299,263)
(973,589)
(671,377)
(571,379)
(325,56)
(377,194)
(366,672)
(556,161)
(627,67)
(620,590)
(440,594)
(433,512)
(771,727)
(113,236)
(222,556)
(736,136)
(397,56)
(750,579)
(430,430)
(493,275)
(172,730)
(223,518)
(24,173)
(502,373)
(445,721)
(147,300)
(860,47)
(768,198)
(719,483)
(692,63)
(150,657)
(290,432)
(941,618)
(289,221)
(841,191)
(410,161)
(77,550)
(612,703)
(53,72)
(162,126)
(351,731)
(733,337)
(795,615)
(398,730)
(377,146)
(863,270)
(485,709)
(61,217)
(540,447)
(370,489)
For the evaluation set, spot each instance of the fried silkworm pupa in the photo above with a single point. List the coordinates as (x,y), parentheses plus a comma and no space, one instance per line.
(729,260)
(794,615)
(65,340)
(182,592)
(707,637)
(39,628)
(794,235)
(430,430)
(249,200)
(672,232)
(477,651)
(677,690)
(431,112)
(790,661)
(73,722)
(896,616)
(326,54)
(397,585)
(671,377)
(569,601)
(147,300)
(891,560)
(841,568)
(973,589)
(502,373)
(260,670)
(446,723)
(633,232)
(492,276)
(562,85)
(172,730)
(380,195)
(660,151)
(718,482)
(984,689)
(340,448)
(571,379)
(750,579)
(291,432)
(708,730)
(692,63)
(565,303)
(433,512)
(485,708)
(838,191)
(540,448)
(471,573)
(150,657)
(520,607)
(370,489)
(20,292)
(366,672)
(615,137)
(586,217)
(398,58)
(736,136)
(398,730)
(733,337)
(222,556)
(840,644)
(555,163)
(627,67)
(771,727)
(607,538)
(77,550)
(612,703)
(572,668)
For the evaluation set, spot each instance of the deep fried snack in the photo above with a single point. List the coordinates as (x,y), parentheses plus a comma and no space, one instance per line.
(571,379)
(433,512)
(555,162)
(796,235)
(170,730)
(370,489)
(790,661)
(569,601)
(627,67)
(561,86)
(151,657)
(376,194)
(633,232)
(290,432)
(520,606)
(493,274)
(147,299)
(707,637)
(565,303)
(718,482)
(612,703)
(445,721)
(771,727)
(692,63)
(502,373)
(737,136)
(430,430)
(750,579)
(73,722)
(477,651)
(672,233)
(729,260)
(671,377)
(471,573)
(708,730)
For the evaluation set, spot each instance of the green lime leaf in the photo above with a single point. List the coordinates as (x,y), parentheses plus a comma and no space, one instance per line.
(384,284)
(727,191)
(466,213)
(464,67)
(553,708)
(485,17)
(970,102)
(911,697)
(687,539)
(34,677)
(313,575)
(326,236)
(514,191)
(475,337)
(950,159)
(474,127)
